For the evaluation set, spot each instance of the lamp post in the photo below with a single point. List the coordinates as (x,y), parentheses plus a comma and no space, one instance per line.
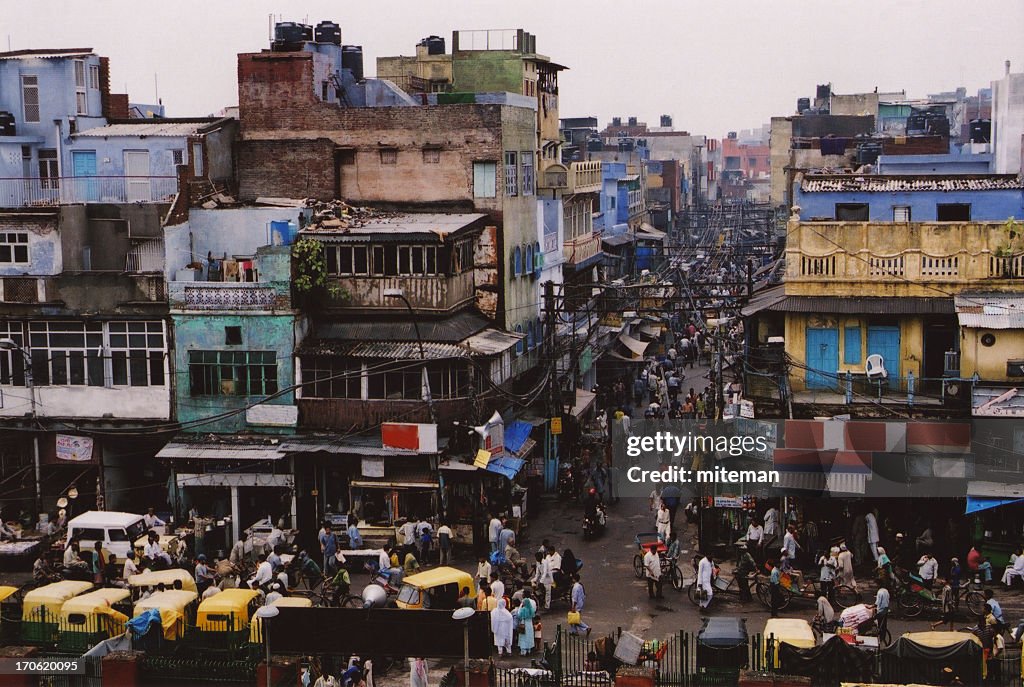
(463,615)
(399,294)
(265,613)
(8,344)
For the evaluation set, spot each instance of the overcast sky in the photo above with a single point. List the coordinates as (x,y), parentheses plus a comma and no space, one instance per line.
(714,65)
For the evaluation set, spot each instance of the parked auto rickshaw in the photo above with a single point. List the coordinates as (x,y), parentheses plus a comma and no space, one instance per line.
(168,542)
(10,614)
(922,657)
(223,620)
(40,609)
(792,631)
(87,620)
(152,578)
(439,588)
(177,609)
(256,629)
(722,646)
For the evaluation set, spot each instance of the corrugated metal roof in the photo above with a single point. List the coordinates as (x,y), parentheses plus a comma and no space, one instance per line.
(492,341)
(394,350)
(990,311)
(409,224)
(865,305)
(146,127)
(206,451)
(762,300)
(46,53)
(885,183)
(452,329)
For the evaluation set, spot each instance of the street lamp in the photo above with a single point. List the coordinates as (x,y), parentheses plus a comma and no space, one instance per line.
(463,615)
(265,613)
(399,294)
(8,344)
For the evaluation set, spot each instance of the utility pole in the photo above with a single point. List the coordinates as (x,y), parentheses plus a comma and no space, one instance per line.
(554,396)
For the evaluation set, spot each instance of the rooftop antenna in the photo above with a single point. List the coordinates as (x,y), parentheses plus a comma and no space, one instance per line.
(156,87)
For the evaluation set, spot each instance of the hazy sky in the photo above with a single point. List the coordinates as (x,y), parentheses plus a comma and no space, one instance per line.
(715,65)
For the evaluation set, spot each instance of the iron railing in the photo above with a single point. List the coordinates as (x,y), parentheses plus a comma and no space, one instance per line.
(34,192)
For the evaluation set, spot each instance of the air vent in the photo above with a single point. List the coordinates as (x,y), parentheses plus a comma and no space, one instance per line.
(1015,368)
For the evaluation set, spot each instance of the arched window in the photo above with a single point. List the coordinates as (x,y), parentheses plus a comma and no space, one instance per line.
(538,258)
(519,330)
(531,342)
(517,262)
(528,263)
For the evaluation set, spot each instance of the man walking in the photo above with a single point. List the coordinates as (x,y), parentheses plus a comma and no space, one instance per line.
(328,547)
(871,523)
(444,542)
(493,530)
(652,570)
(744,569)
(579,598)
(705,578)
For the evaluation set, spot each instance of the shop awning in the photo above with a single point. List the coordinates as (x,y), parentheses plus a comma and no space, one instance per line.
(979,503)
(584,399)
(206,451)
(619,356)
(399,479)
(492,342)
(832,482)
(506,466)
(637,347)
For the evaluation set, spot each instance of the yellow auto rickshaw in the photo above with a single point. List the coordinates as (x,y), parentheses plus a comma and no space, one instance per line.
(87,620)
(153,578)
(40,610)
(170,543)
(10,614)
(792,631)
(439,588)
(177,610)
(223,620)
(256,629)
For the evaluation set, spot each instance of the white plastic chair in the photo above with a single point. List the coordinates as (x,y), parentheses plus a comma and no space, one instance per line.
(874,367)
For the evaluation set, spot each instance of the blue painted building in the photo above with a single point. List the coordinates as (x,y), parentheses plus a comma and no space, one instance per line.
(949,163)
(863,198)
(623,204)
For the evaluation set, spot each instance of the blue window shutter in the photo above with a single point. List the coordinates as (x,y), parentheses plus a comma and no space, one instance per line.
(851,346)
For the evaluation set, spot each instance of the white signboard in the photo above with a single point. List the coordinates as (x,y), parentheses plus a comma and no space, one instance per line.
(76,449)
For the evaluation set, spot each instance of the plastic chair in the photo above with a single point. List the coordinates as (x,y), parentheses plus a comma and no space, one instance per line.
(874,367)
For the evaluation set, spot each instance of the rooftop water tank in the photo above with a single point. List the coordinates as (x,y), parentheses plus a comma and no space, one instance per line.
(307,32)
(287,32)
(352,59)
(328,32)
(435,45)
(802,105)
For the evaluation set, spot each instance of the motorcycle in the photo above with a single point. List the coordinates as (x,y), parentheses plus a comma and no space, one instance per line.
(567,481)
(595,523)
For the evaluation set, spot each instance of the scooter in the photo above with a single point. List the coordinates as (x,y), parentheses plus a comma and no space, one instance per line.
(595,524)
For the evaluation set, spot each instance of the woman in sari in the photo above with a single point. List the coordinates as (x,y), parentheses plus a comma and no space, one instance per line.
(525,614)
(501,627)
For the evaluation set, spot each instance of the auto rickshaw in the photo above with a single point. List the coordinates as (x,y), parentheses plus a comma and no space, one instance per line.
(922,657)
(168,542)
(256,629)
(177,609)
(87,620)
(40,609)
(223,620)
(722,646)
(10,614)
(439,588)
(792,631)
(152,578)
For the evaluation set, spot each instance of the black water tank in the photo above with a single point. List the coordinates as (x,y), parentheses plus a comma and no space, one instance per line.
(867,153)
(981,130)
(307,32)
(616,121)
(7,124)
(666,120)
(802,105)
(632,121)
(287,32)
(328,32)
(352,59)
(435,45)
(824,91)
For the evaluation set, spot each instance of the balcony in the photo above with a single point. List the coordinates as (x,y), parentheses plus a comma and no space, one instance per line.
(145,257)
(582,249)
(584,177)
(17,192)
(554,176)
(226,296)
(425,293)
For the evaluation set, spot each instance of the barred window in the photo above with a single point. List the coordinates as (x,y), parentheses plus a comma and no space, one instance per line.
(232,373)
(66,353)
(137,353)
(511,175)
(431,156)
(528,175)
(389,156)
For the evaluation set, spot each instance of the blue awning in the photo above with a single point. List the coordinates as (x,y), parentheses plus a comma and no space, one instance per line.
(516,434)
(979,503)
(506,466)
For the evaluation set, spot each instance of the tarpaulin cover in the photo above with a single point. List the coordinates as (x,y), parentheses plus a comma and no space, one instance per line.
(506,466)
(977,503)
(516,434)
(723,632)
(140,623)
(906,660)
(828,663)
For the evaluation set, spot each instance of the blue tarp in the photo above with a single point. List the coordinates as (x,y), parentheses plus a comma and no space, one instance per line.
(516,434)
(977,503)
(507,466)
(140,623)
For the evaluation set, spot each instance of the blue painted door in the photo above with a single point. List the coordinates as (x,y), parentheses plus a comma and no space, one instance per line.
(822,357)
(885,341)
(84,165)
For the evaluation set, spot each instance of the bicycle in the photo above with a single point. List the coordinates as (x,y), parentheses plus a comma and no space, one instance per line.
(323,594)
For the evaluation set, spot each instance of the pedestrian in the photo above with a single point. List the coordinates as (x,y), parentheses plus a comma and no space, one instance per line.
(755,535)
(928,570)
(771,526)
(652,571)
(525,615)
(845,559)
(204,578)
(543,578)
(99,563)
(483,571)
(578,595)
(882,601)
(948,606)
(328,547)
(418,672)
(790,544)
(355,539)
(745,567)
(408,532)
(670,496)
(775,589)
(444,543)
(494,528)
(663,522)
(501,628)
(705,581)
(505,535)
(497,586)
(639,385)
(871,526)
(425,539)
(827,572)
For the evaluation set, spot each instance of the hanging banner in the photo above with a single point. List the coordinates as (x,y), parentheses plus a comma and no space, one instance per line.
(75,449)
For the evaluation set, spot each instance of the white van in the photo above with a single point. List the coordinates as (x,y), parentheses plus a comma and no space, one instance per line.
(115,530)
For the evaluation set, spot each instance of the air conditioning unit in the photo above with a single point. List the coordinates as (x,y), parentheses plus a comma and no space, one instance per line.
(1015,368)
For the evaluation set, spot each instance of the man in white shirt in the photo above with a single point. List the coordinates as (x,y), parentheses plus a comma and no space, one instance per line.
(264,574)
(444,541)
(789,543)
(1014,570)
(493,530)
(771,525)
(154,552)
(871,521)
(497,586)
(542,577)
(652,571)
(408,531)
(928,568)
(129,567)
(151,520)
(755,535)
(554,559)
(705,575)
(72,559)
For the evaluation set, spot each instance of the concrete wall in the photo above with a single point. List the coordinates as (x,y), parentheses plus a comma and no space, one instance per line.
(519,222)
(989,362)
(487,70)
(985,205)
(854,104)
(964,163)
(91,402)
(779,141)
(44,243)
(1008,122)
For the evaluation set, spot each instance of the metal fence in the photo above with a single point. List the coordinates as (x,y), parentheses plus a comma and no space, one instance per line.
(92,677)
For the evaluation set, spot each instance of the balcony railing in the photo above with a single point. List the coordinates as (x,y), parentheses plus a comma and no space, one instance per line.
(16,192)
(224,296)
(146,257)
(584,177)
(425,293)
(581,248)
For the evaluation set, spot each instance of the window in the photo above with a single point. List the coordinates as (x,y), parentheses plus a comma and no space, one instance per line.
(197,158)
(953,212)
(94,77)
(81,100)
(431,156)
(528,262)
(30,97)
(389,156)
(14,247)
(752,162)
(528,176)
(49,172)
(136,353)
(177,157)
(26,161)
(232,336)
(462,257)
(520,344)
(12,363)
(345,156)
(324,377)
(484,174)
(347,260)
(852,212)
(517,262)
(900,213)
(511,175)
(232,373)
(851,345)
(66,353)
